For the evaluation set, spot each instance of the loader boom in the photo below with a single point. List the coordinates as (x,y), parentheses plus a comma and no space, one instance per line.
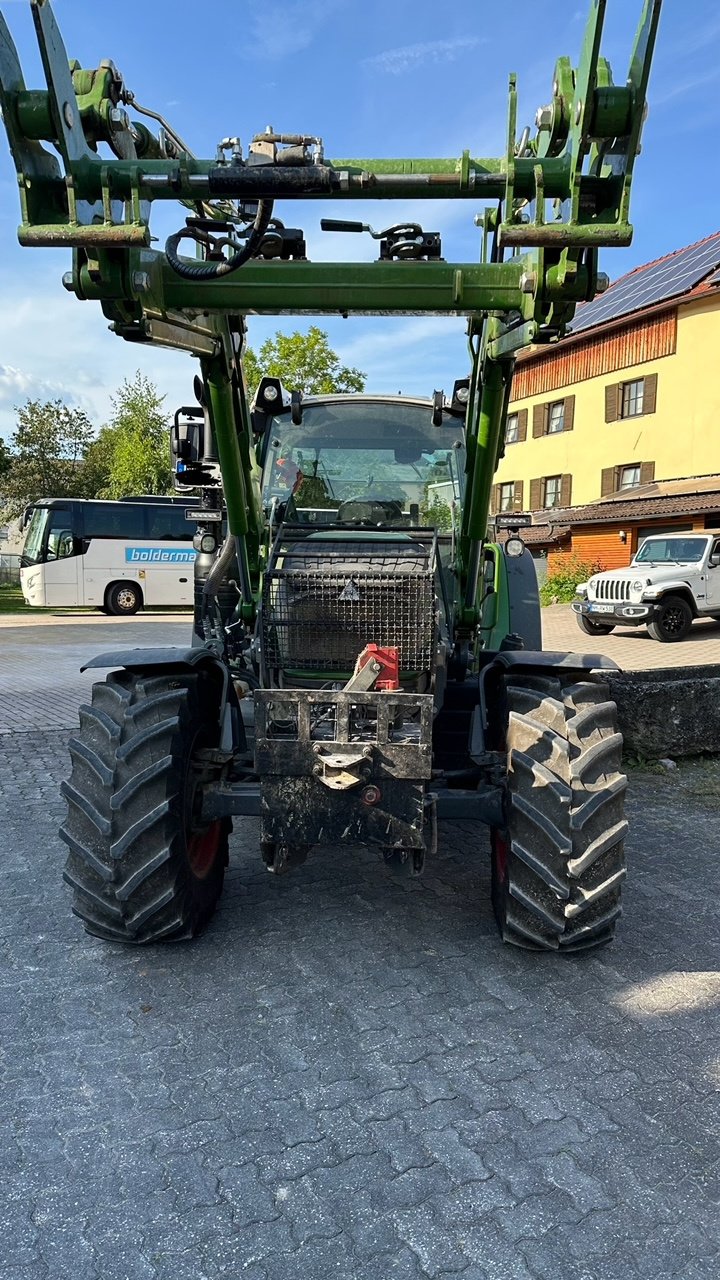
(579,162)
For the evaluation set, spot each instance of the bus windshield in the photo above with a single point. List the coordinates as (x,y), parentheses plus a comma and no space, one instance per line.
(374,462)
(32,551)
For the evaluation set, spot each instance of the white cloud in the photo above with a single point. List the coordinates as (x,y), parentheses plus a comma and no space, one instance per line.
(681,87)
(410,56)
(283,27)
(54,347)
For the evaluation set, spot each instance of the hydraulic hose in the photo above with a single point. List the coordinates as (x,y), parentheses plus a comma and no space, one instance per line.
(220,566)
(195,270)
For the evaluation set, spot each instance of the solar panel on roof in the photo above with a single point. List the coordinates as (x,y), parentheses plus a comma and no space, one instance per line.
(668,279)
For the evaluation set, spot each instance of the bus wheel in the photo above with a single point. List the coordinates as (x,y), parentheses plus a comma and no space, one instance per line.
(123,598)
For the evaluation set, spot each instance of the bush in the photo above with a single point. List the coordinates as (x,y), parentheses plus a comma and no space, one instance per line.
(559,588)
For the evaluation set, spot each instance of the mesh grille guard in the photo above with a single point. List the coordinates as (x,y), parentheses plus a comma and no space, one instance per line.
(324,599)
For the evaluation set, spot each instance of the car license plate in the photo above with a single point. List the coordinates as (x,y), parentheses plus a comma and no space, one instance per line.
(602,608)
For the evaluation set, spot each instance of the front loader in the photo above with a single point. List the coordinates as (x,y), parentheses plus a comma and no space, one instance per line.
(366,655)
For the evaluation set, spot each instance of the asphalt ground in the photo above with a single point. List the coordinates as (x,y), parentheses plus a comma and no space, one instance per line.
(348,1075)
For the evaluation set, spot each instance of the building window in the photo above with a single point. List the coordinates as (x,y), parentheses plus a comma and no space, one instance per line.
(512,430)
(552,488)
(553,417)
(507,496)
(633,397)
(556,417)
(629,477)
(626,476)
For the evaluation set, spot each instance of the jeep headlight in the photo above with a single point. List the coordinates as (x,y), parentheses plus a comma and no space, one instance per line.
(638,585)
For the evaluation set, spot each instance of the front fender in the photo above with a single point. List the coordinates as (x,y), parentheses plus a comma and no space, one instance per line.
(174,658)
(674,587)
(168,656)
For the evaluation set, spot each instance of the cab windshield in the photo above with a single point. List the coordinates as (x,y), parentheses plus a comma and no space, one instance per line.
(367,463)
(671,550)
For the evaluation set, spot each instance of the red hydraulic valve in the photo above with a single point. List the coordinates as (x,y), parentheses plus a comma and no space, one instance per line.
(389,658)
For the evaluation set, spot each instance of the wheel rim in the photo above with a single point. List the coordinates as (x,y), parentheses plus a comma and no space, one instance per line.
(673,621)
(201,842)
(126,598)
(500,852)
(202,848)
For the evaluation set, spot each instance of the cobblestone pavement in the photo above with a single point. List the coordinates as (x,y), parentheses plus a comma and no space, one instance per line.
(41,683)
(347,1076)
(631,647)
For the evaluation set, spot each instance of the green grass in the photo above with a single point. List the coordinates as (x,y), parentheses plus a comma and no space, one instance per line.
(11,600)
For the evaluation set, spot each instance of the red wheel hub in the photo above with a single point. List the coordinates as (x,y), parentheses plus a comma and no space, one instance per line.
(500,855)
(202,847)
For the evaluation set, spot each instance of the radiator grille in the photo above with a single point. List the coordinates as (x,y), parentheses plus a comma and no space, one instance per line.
(613,589)
(323,602)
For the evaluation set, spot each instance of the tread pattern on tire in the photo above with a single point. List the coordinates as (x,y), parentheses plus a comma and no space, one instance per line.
(126,822)
(566,828)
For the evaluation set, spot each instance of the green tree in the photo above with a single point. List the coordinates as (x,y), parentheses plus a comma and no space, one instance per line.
(5,459)
(132,455)
(305,361)
(48,451)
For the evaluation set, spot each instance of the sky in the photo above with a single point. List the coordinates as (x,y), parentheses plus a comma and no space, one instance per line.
(429,81)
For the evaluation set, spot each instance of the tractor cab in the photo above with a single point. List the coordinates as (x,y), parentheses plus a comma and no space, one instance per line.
(362,461)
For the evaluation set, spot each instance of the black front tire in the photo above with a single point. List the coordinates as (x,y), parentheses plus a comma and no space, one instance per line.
(123,599)
(142,866)
(672,621)
(558,865)
(594,628)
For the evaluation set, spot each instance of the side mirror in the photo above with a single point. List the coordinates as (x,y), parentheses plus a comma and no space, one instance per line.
(714,561)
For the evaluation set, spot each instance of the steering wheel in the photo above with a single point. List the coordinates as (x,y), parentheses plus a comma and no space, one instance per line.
(368,510)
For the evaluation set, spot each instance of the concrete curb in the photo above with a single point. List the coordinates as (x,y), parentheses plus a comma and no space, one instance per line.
(674,711)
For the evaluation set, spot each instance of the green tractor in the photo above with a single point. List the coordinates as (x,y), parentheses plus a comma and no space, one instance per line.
(366,656)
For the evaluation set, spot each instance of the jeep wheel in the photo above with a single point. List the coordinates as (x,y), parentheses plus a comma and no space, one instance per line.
(672,620)
(142,864)
(558,865)
(594,628)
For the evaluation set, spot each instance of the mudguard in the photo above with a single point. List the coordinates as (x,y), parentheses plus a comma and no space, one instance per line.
(169,656)
(174,658)
(486,720)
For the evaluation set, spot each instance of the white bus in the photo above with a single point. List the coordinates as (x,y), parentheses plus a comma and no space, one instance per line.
(117,556)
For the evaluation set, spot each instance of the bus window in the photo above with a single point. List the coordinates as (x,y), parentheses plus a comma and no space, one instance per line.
(60,541)
(168,524)
(113,520)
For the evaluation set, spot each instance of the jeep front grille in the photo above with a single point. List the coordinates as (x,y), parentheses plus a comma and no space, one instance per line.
(612,589)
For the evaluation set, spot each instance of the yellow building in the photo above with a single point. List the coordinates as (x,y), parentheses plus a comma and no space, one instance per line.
(631,395)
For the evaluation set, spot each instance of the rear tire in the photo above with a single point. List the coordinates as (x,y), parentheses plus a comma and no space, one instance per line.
(558,866)
(672,622)
(123,598)
(594,628)
(142,866)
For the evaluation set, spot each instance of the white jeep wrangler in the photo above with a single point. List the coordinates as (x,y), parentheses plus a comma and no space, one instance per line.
(673,578)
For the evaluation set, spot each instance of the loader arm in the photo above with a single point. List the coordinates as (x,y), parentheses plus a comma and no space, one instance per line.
(90,170)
